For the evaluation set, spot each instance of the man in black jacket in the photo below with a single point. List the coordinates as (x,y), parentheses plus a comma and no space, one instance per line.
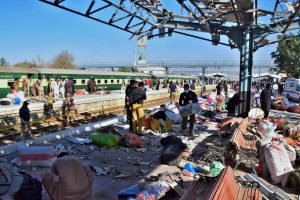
(186,98)
(24,114)
(128,91)
(136,99)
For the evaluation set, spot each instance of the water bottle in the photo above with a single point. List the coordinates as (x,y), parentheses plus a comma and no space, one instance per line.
(189,167)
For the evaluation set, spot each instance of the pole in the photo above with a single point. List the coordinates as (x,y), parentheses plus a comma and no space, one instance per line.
(246,64)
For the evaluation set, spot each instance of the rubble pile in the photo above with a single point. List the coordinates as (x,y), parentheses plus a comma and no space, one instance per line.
(162,163)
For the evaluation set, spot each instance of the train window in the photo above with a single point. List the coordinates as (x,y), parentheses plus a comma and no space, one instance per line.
(82,81)
(98,81)
(75,81)
(111,81)
(10,84)
(118,81)
(105,81)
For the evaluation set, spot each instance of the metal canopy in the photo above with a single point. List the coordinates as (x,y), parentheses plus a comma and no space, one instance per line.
(246,25)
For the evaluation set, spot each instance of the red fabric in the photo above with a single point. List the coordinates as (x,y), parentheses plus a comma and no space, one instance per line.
(132,140)
(26,157)
(147,122)
(294,109)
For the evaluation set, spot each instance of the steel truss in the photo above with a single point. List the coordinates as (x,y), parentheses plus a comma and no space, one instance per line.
(238,20)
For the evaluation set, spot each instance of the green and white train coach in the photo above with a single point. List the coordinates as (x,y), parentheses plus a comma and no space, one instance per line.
(104,80)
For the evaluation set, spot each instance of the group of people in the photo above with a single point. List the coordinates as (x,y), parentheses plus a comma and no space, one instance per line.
(135,94)
(57,88)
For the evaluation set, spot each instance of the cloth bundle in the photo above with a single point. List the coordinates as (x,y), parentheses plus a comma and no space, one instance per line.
(189,109)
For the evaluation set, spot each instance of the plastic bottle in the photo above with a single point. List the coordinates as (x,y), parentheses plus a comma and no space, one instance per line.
(189,167)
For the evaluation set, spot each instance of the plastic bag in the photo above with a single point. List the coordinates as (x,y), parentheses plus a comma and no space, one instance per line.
(105,140)
(278,163)
(216,168)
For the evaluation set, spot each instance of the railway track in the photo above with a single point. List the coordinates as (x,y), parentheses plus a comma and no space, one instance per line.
(45,126)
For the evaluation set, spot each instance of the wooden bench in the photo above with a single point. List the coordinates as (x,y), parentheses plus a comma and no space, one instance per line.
(223,187)
(242,150)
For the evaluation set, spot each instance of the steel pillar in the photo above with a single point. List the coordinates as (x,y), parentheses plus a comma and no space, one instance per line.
(246,64)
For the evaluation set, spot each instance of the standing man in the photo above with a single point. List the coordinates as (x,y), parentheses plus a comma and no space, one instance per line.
(228,89)
(17,84)
(265,99)
(32,87)
(40,89)
(275,90)
(136,99)
(128,91)
(193,86)
(69,89)
(24,114)
(186,98)
(25,87)
(173,91)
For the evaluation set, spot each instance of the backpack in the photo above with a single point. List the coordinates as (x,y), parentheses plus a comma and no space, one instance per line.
(31,188)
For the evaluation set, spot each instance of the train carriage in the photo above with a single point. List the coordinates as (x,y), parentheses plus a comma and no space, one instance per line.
(104,80)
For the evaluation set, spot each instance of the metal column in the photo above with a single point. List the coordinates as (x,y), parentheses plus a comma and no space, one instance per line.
(246,64)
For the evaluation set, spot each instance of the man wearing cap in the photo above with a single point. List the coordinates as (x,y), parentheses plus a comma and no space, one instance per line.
(24,114)
(173,91)
(186,98)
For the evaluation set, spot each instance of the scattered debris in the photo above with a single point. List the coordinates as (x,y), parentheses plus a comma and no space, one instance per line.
(77,140)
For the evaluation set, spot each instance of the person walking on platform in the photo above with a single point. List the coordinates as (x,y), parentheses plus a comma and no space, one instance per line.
(186,98)
(24,114)
(265,99)
(173,92)
(136,99)
(128,91)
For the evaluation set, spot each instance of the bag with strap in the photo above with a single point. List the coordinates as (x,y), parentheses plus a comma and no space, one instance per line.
(31,189)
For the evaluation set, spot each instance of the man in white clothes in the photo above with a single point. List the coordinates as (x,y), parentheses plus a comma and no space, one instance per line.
(62,90)
(275,89)
(56,89)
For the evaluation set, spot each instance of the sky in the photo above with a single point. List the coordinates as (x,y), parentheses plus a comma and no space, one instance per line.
(31,29)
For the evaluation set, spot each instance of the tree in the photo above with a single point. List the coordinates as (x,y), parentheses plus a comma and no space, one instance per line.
(26,64)
(124,69)
(127,69)
(64,60)
(287,56)
(3,62)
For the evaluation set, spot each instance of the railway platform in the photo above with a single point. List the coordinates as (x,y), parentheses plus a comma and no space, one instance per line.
(86,105)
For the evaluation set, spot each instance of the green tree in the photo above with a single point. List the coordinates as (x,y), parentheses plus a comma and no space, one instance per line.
(128,69)
(124,69)
(287,56)
(26,64)
(3,62)
(64,60)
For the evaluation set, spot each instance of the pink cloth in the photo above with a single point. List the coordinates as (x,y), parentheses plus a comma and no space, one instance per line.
(69,180)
